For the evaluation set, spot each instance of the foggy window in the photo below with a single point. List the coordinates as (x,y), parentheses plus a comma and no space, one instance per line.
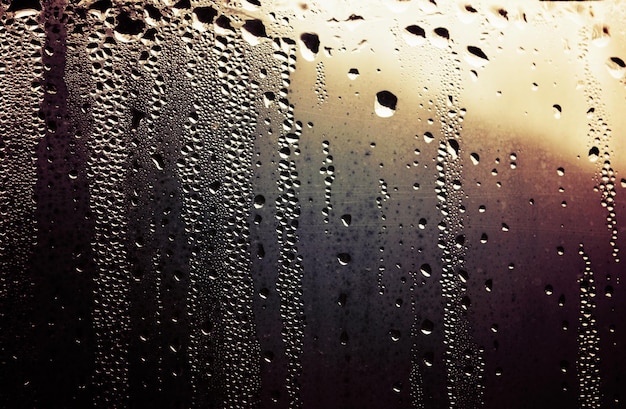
(326,204)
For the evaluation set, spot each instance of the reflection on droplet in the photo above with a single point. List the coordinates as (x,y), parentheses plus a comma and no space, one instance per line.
(475,158)
(253,31)
(427,327)
(616,67)
(476,57)
(428,137)
(395,335)
(309,46)
(344,258)
(385,104)
(353,73)
(414,35)
(259,201)
(440,37)
(600,35)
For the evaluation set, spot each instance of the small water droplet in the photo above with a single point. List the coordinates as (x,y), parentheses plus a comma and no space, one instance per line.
(353,73)
(427,327)
(344,258)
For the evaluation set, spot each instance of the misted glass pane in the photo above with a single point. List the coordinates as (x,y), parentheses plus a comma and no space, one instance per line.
(324,204)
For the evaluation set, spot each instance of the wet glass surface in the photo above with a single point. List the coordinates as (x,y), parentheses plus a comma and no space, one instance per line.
(326,204)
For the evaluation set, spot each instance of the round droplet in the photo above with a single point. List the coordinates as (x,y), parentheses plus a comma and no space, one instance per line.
(259,201)
(428,137)
(427,327)
(422,223)
(353,73)
(385,104)
(394,334)
(344,258)
(440,38)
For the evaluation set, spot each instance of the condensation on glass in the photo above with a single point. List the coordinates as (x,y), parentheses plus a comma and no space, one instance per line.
(289,204)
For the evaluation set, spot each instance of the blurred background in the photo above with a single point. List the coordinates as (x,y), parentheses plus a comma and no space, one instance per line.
(289,204)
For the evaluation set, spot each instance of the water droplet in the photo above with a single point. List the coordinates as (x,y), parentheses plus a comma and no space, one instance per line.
(475,158)
(344,258)
(394,334)
(385,104)
(440,38)
(427,327)
(616,67)
(253,31)
(428,137)
(343,338)
(452,146)
(476,57)
(353,73)
(128,28)
(259,201)
(414,35)
(157,159)
(309,45)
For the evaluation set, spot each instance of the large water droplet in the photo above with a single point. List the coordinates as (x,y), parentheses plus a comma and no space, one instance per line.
(385,104)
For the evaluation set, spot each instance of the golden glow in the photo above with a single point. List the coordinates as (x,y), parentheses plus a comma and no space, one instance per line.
(537,55)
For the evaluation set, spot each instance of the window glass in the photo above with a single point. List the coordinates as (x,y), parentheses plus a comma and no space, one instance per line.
(290,204)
